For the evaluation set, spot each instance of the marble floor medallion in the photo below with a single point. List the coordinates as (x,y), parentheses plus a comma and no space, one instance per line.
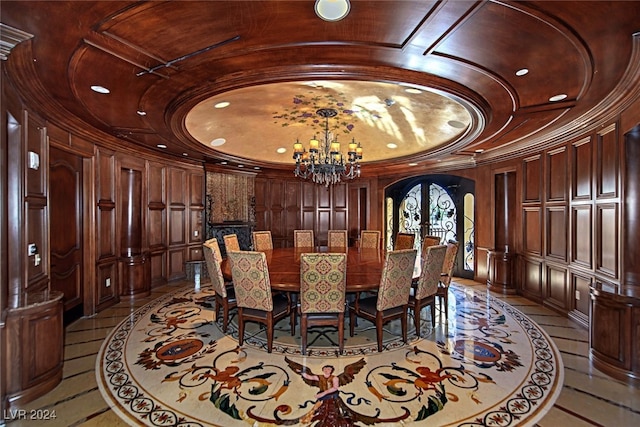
(170,364)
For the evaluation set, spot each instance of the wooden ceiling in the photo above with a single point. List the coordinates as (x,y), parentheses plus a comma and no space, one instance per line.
(165,58)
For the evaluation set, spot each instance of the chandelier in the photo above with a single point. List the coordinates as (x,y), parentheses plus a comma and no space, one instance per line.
(324,163)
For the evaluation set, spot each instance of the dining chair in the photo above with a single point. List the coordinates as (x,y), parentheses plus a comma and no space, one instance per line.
(404,241)
(303,239)
(392,299)
(256,303)
(323,283)
(262,240)
(427,287)
(225,295)
(370,239)
(429,241)
(337,239)
(231,242)
(446,275)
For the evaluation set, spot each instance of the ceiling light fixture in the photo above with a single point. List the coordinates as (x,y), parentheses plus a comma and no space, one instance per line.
(332,10)
(324,163)
(99,89)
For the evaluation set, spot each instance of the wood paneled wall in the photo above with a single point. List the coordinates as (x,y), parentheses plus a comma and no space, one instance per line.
(571,221)
(284,205)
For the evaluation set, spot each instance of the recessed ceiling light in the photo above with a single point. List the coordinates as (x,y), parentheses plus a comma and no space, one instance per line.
(141,113)
(332,10)
(479,150)
(100,89)
(222,104)
(522,72)
(223,163)
(218,142)
(412,90)
(413,164)
(256,167)
(456,124)
(392,145)
(185,154)
(558,97)
(240,166)
(161,146)
(281,150)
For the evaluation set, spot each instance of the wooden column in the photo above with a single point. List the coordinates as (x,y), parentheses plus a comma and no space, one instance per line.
(501,259)
(134,265)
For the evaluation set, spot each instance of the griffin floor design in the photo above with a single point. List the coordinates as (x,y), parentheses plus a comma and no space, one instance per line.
(587,397)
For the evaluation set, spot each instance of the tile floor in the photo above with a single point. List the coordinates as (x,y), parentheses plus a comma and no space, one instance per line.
(588,398)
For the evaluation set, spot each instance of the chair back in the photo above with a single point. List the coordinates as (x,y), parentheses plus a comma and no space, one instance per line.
(429,241)
(337,239)
(395,283)
(231,242)
(213,258)
(432,263)
(303,239)
(251,282)
(323,282)
(262,241)
(404,241)
(370,239)
(449,262)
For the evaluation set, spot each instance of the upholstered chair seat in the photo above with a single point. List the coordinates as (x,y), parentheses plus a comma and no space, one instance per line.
(404,241)
(262,240)
(447,275)
(427,285)
(392,299)
(337,239)
(225,298)
(255,301)
(370,239)
(323,282)
(303,239)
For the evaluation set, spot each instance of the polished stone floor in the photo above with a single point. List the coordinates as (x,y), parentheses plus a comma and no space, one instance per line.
(588,397)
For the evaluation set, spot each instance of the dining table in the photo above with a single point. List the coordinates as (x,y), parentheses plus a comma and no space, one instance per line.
(364,267)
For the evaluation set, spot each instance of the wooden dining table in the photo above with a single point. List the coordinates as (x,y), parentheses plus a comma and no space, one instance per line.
(364,267)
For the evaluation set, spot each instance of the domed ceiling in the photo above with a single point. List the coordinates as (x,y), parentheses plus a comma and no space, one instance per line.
(389,120)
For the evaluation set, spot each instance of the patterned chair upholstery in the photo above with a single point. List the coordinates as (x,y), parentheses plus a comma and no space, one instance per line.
(323,282)
(225,295)
(447,274)
(303,239)
(427,287)
(262,240)
(255,301)
(404,241)
(429,241)
(392,299)
(370,239)
(231,242)
(337,239)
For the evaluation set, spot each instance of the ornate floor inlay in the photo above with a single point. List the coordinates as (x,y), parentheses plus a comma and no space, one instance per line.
(170,364)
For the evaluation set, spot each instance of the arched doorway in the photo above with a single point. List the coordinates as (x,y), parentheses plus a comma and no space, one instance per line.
(440,205)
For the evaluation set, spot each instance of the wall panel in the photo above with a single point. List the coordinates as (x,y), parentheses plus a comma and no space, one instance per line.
(557,294)
(607,239)
(557,175)
(582,236)
(532,225)
(582,169)
(532,285)
(557,233)
(607,166)
(532,176)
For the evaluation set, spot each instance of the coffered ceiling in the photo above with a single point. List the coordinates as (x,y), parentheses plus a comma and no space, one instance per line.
(421,83)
